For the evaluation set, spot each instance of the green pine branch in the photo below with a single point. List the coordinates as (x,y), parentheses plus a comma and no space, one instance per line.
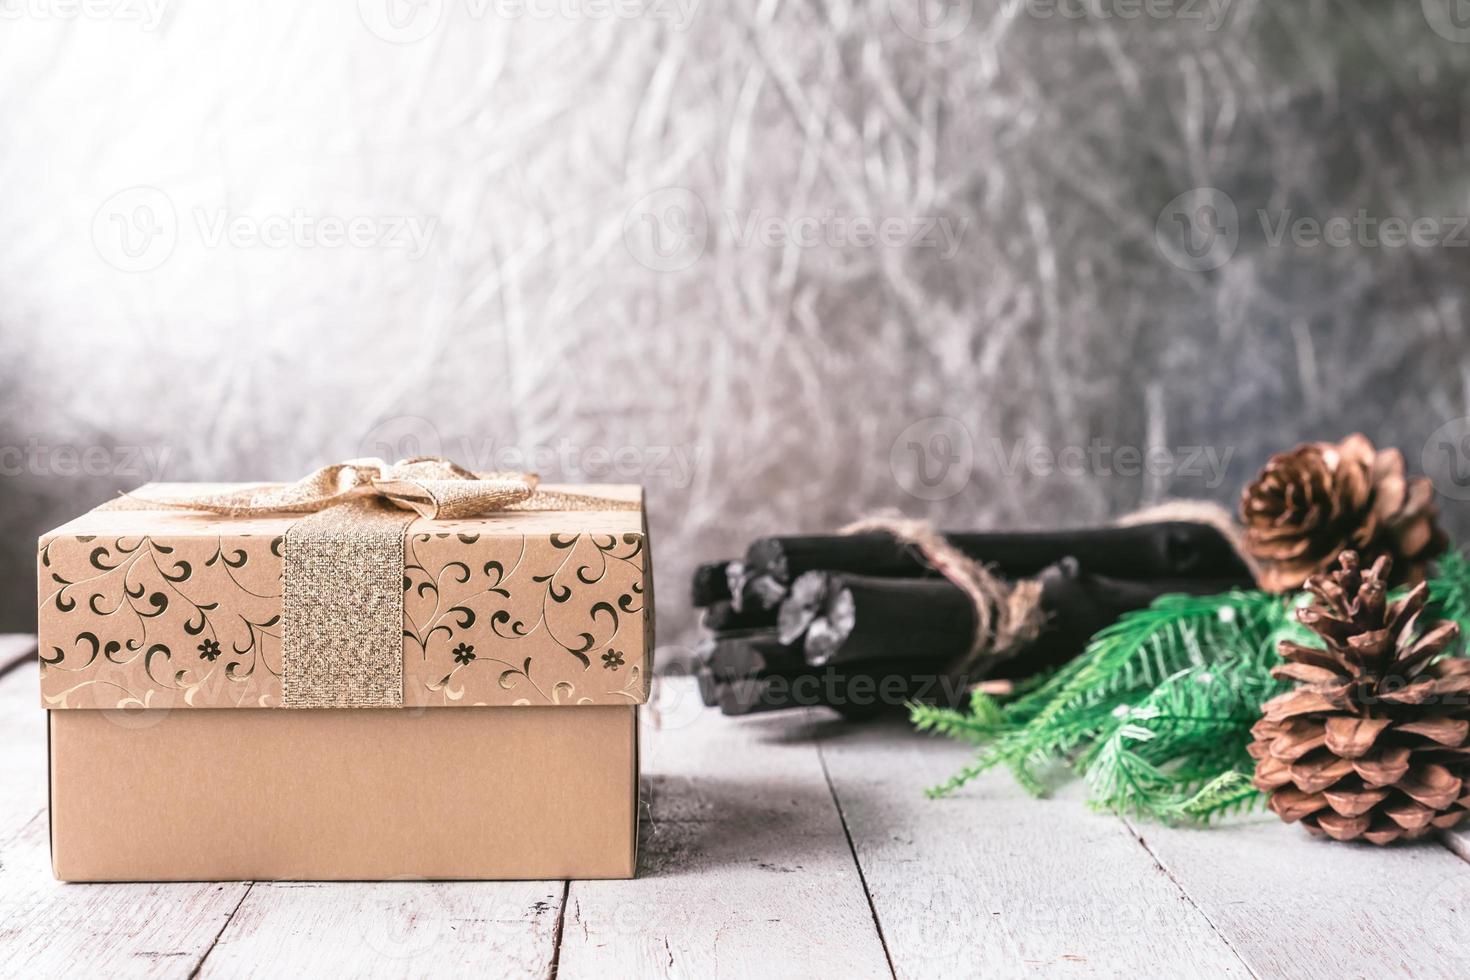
(1181,736)
(1229,792)
(1146,713)
(1449,590)
(1155,715)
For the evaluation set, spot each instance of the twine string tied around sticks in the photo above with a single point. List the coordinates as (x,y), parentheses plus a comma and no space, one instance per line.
(1008,615)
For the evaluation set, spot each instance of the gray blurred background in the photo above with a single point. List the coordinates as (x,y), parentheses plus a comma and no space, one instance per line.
(1017,263)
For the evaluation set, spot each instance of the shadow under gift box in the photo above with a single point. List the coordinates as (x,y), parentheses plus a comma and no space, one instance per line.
(527,651)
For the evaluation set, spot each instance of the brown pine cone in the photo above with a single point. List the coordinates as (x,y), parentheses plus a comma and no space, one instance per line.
(1375,741)
(1321,498)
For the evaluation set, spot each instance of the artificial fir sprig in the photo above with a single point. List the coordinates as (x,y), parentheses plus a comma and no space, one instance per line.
(1181,738)
(1449,590)
(1079,709)
(1156,713)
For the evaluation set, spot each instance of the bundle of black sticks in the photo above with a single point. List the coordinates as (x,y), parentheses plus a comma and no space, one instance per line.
(861,622)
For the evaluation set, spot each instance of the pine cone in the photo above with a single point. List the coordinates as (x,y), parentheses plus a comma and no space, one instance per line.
(1375,742)
(1310,504)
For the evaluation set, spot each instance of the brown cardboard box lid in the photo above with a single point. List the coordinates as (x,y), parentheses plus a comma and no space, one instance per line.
(158,608)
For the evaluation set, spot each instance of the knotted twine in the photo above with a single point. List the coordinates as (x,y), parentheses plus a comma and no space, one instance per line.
(342,591)
(1009,615)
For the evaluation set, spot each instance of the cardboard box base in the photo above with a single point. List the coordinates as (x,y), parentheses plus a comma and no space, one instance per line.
(272,794)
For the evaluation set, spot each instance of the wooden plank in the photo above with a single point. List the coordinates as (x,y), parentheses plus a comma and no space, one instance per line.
(22,749)
(391,929)
(745,868)
(1291,905)
(994,883)
(50,929)
(1458,841)
(14,648)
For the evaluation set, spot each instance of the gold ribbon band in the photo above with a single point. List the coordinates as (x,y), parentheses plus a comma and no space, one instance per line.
(341,615)
(342,590)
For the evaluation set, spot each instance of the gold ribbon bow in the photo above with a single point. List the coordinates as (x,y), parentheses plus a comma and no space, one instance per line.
(430,486)
(342,594)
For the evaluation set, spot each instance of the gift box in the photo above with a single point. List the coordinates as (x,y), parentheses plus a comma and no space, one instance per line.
(370,674)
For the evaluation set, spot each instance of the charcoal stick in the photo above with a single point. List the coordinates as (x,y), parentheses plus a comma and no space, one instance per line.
(861,618)
(710,584)
(854,693)
(723,617)
(1166,550)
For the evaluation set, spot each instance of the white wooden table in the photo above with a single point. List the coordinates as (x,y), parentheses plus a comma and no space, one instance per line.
(776,846)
